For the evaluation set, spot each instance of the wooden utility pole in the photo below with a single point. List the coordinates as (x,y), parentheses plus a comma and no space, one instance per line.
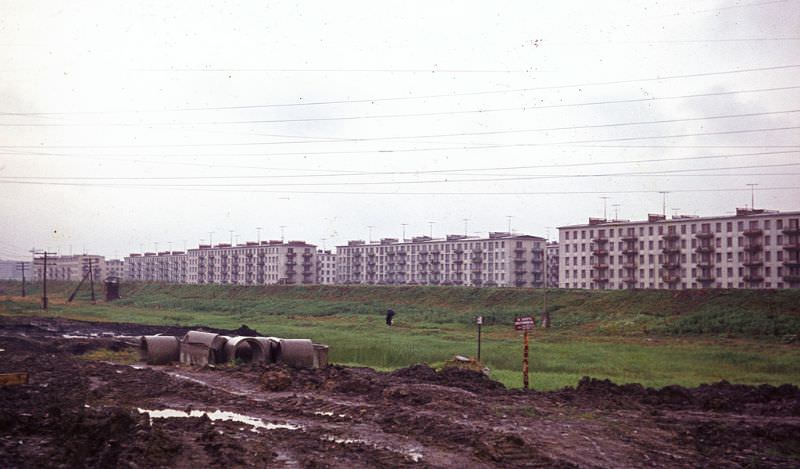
(21,267)
(91,278)
(44,255)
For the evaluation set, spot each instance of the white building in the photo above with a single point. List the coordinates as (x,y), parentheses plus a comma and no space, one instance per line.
(326,267)
(552,265)
(502,259)
(71,268)
(752,249)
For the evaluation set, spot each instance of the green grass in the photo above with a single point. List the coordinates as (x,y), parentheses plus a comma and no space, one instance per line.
(655,338)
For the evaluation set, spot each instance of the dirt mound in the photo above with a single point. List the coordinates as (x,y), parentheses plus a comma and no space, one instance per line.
(244,330)
(469,380)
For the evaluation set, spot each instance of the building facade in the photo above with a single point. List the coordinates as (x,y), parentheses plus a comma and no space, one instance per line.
(752,249)
(502,260)
(115,268)
(71,268)
(264,263)
(552,265)
(326,267)
(12,270)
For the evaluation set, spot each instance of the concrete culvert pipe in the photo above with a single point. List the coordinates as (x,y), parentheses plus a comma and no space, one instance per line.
(271,346)
(202,348)
(247,350)
(297,352)
(159,349)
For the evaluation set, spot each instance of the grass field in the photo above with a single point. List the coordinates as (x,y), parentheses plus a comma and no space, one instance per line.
(655,338)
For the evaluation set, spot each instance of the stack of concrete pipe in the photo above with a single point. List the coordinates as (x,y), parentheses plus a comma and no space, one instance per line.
(204,348)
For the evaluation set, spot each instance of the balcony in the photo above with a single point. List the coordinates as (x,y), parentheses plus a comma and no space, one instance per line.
(752,232)
(705,263)
(600,252)
(670,236)
(477,260)
(458,251)
(291,263)
(791,263)
(792,231)
(630,252)
(519,283)
(754,278)
(791,279)
(601,280)
(671,265)
(671,279)
(792,247)
(291,255)
(706,279)
(752,263)
(704,249)
(671,250)
(630,265)
(520,272)
(600,266)
(629,280)
(600,240)
(754,248)
(704,235)
(629,238)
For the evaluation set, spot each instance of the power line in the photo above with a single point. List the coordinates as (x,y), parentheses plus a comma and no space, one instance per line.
(445,95)
(382,116)
(436,181)
(336,173)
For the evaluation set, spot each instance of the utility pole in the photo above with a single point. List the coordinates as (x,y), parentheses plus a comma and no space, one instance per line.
(258,236)
(752,196)
(91,277)
(44,255)
(605,203)
(211,238)
(616,211)
(430,225)
(21,267)
(404,231)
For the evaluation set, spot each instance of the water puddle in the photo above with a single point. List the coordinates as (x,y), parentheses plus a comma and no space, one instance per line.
(414,455)
(329,414)
(254,422)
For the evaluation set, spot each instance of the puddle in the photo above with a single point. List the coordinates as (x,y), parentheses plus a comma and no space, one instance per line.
(254,422)
(414,455)
(2,350)
(329,414)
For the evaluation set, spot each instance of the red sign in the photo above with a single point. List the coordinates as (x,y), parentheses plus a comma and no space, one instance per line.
(524,323)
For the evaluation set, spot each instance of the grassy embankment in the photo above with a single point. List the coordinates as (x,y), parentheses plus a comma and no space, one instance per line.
(652,337)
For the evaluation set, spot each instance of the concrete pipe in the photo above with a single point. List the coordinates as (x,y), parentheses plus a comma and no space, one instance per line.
(272,346)
(320,356)
(202,348)
(297,353)
(159,349)
(247,350)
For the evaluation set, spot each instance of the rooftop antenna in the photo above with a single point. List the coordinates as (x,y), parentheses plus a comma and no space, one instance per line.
(752,195)
(466,221)
(616,211)
(509,222)
(184,245)
(404,230)
(258,236)
(675,211)
(605,203)
(370,227)
(323,243)
(283,231)
(663,202)
(170,245)
(154,244)
(231,241)
(547,231)
(430,224)
(210,238)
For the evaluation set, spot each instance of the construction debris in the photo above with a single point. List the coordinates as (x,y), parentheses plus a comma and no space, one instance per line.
(200,348)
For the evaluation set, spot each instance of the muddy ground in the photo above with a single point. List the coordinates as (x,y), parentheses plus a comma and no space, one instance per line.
(82,413)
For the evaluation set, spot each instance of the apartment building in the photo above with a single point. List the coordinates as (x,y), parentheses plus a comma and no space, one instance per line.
(164,266)
(502,260)
(326,267)
(551,255)
(115,268)
(11,270)
(71,268)
(252,263)
(751,249)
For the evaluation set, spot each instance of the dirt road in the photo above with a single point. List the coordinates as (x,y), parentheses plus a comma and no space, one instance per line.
(82,413)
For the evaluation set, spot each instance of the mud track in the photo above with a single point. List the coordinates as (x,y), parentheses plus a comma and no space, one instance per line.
(81,413)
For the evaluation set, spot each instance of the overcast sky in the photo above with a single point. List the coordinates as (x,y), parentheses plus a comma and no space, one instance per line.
(125,124)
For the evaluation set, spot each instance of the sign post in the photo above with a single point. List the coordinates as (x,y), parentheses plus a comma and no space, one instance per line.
(524,323)
(479,322)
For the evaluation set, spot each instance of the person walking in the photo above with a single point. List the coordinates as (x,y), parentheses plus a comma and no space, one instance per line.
(389,317)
